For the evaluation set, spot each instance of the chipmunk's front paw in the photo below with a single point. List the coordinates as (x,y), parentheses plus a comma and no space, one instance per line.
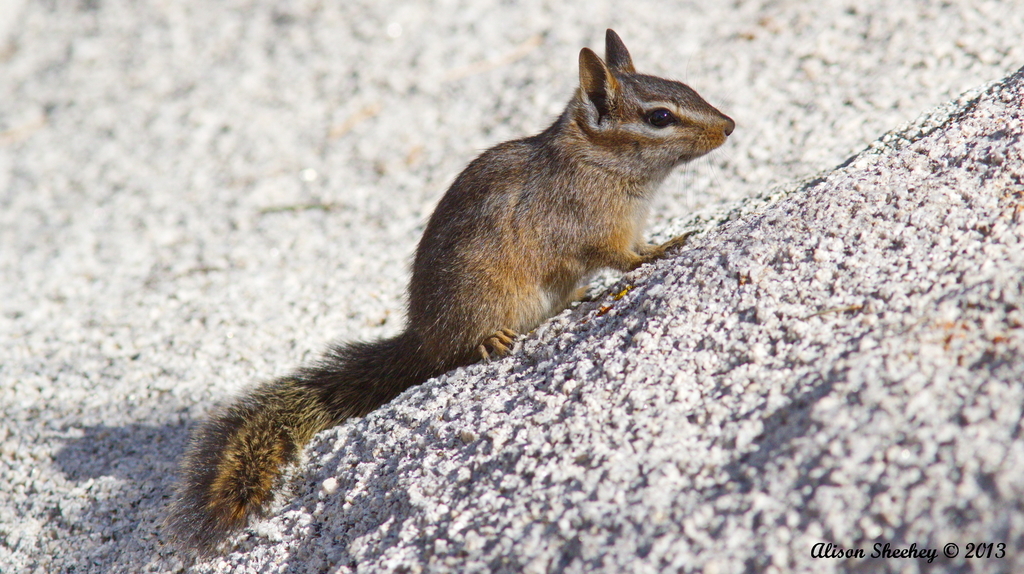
(648,253)
(498,344)
(677,241)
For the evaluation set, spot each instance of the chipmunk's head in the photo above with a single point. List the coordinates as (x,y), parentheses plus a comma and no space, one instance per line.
(642,122)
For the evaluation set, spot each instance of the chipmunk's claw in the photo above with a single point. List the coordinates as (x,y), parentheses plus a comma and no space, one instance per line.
(499,344)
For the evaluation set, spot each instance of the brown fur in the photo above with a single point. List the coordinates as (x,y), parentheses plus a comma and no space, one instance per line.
(507,247)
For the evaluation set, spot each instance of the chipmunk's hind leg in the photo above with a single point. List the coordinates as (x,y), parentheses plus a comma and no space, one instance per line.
(499,344)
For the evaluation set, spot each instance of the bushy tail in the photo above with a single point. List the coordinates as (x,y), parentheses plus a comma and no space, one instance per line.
(236,458)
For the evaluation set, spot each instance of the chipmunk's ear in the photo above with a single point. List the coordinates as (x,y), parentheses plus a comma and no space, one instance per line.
(597,82)
(616,54)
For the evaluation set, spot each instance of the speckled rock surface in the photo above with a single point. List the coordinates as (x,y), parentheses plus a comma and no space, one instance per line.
(196,196)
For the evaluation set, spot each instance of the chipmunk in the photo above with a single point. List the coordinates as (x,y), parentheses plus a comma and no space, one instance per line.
(508,246)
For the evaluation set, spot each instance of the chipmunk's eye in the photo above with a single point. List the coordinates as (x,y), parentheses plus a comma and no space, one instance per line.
(660,118)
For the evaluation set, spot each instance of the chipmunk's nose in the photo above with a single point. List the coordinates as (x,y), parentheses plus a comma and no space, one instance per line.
(729,125)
